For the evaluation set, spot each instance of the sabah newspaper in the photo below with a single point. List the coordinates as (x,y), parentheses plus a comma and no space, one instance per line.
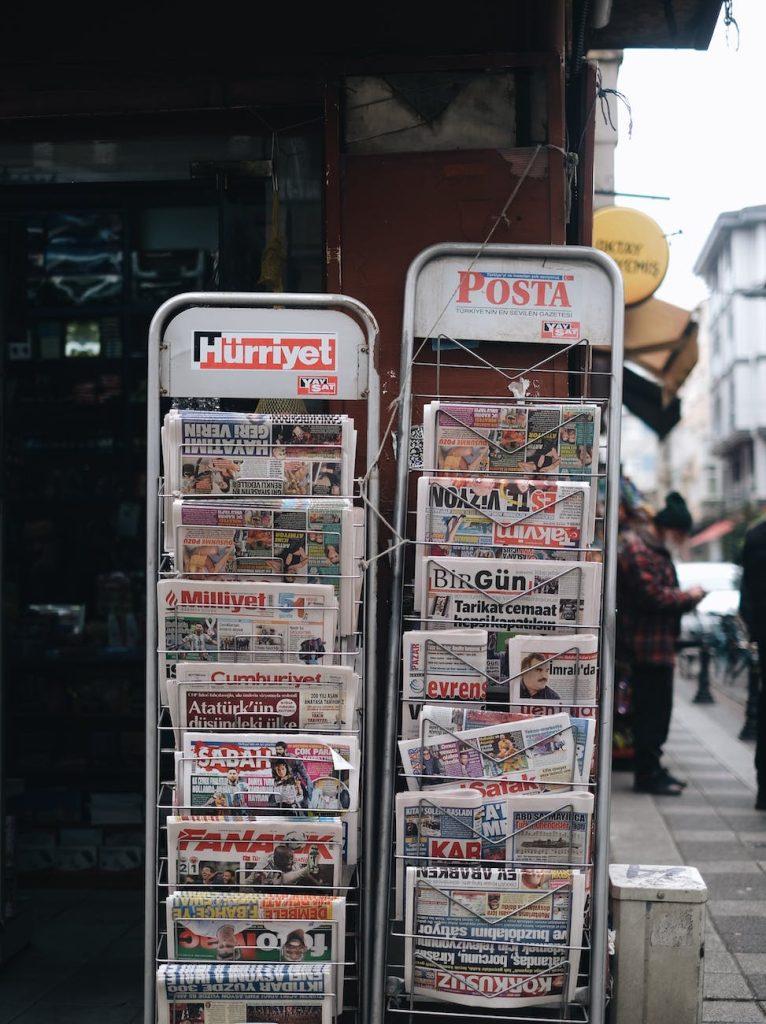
(205,622)
(300,773)
(496,517)
(493,937)
(227,854)
(272,993)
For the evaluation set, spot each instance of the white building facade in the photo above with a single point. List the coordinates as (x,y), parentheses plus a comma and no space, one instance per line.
(733,264)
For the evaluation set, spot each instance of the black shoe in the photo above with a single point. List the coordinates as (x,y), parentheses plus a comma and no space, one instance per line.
(672,778)
(657,785)
(760,802)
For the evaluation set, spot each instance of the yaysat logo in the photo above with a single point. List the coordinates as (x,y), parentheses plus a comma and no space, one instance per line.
(501,289)
(569,330)
(219,350)
(319,386)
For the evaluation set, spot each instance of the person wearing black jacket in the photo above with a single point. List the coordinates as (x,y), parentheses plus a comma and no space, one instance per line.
(752,609)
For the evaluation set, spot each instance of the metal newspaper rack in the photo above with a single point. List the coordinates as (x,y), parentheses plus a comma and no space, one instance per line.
(348,334)
(443,283)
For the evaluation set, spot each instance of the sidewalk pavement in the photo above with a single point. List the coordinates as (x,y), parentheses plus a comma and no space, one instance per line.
(715,828)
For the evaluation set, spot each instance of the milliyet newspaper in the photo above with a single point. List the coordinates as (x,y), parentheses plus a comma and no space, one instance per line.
(553,669)
(230,695)
(510,828)
(478,517)
(437,720)
(232,853)
(258,928)
(441,665)
(297,540)
(302,773)
(493,937)
(206,621)
(222,993)
(510,597)
(521,438)
(538,750)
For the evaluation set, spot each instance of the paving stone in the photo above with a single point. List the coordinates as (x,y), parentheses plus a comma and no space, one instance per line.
(714,773)
(729,1012)
(752,963)
(736,886)
(719,961)
(722,787)
(730,867)
(757,983)
(694,852)
(706,835)
(737,908)
(742,934)
(726,986)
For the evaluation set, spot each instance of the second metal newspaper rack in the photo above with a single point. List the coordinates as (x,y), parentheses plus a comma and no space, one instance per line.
(198,349)
(546,308)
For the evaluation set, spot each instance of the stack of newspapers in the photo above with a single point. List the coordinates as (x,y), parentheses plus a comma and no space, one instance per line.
(259,688)
(499,705)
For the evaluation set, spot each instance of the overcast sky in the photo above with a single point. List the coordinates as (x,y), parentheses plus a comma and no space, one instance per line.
(699,136)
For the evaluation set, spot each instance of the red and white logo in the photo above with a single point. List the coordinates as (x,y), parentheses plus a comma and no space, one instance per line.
(497,288)
(171,599)
(224,350)
(566,330)
(320,387)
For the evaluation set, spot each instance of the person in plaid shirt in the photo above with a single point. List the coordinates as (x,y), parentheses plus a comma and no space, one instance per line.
(649,609)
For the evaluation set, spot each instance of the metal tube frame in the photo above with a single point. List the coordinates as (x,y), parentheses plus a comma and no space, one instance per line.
(599,895)
(364,318)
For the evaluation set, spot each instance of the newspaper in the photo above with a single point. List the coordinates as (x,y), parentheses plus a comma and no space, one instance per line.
(496,517)
(298,540)
(227,854)
(540,750)
(513,829)
(302,773)
(230,695)
(234,453)
(526,437)
(446,664)
(203,621)
(509,597)
(561,670)
(272,993)
(435,719)
(493,937)
(259,928)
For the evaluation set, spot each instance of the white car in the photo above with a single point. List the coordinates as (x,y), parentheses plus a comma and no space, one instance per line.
(721,581)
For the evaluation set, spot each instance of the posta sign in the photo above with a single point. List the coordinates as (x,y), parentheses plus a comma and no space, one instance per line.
(638,246)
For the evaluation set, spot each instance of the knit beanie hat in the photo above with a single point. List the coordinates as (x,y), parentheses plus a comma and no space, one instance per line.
(675,515)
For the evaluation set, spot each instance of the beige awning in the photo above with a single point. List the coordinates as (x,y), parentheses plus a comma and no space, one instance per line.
(662,339)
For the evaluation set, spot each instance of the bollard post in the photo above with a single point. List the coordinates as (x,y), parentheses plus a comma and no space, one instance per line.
(704,694)
(750,728)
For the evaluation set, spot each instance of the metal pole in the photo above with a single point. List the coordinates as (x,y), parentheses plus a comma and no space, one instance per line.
(750,728)
(704,694)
